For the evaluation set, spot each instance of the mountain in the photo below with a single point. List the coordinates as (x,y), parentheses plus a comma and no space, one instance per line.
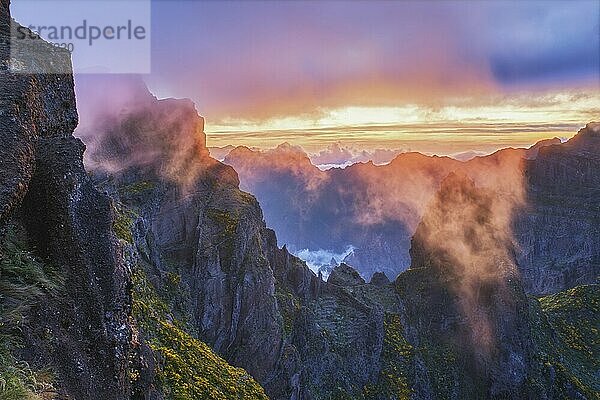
(219,153)
(376,208)
(334,209)
(67,302)
(466,308)
(443,329)
(153,276)
(558,231)
(64,304)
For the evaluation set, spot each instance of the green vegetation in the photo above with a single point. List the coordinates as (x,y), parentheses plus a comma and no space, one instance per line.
(123,223)
(23,282)
(136,188)
(187,368)
(397,358)
(568,336)
(244,198)
(289,306)
(225,241)
(575,315)
(446,376)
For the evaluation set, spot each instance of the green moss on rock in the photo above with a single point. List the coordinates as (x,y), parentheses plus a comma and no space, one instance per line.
(187,367)
(228,222)
(395,379)
(289,306)
(570,347)
(136,188)
(123,223)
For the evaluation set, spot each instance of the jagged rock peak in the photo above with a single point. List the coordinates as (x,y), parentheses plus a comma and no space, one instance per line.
(345,275)
(587,136)
(379,279)
(592,129)
(532,152)
(140,133)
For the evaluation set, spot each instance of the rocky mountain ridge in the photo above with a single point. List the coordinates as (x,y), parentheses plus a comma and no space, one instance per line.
(47,197)
(376,209)
(262,308)
(157,278)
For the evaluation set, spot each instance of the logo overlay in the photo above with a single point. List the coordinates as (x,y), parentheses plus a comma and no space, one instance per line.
(111,36)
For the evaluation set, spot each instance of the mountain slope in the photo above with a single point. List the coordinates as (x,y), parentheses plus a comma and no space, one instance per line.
(376,209)
(204,246)
(66,324)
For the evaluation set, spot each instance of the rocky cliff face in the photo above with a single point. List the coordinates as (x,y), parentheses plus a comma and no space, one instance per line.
(174,263)
(462,252)
(559,230)
(439,331)
(33,106)
(205,248)
(200,240)
(376,209)
(68,267)
(84,334)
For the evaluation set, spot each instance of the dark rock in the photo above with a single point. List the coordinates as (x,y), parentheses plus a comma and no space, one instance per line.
(4,33)
(559,230)
(379,279)
(214,238)
(83,334)
(344,275)
(470,296)
(31,106)
(70,224)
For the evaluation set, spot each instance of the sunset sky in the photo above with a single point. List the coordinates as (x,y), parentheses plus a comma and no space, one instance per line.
(439,77)
(431,76)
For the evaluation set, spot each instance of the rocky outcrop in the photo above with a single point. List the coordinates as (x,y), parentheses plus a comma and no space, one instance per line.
(379,279)
(32,106)
(83,334)
(559,230)
(206,247)
(462,253)
(201,241)
(165,138)
(344,275)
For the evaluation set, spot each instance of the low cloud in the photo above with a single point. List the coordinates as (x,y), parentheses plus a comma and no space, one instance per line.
(466,234)
(323,260)
(337,154)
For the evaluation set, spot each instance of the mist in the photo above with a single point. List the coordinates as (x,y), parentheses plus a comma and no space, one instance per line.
(466,235)
(126,128)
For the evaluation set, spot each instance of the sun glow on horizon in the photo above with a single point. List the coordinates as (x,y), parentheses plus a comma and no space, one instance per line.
(460,125)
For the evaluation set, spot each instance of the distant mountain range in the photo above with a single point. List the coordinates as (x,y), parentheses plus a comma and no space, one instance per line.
(151,275)
(375,208)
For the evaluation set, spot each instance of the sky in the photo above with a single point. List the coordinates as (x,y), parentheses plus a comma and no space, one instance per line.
(434,76)
(391,74)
